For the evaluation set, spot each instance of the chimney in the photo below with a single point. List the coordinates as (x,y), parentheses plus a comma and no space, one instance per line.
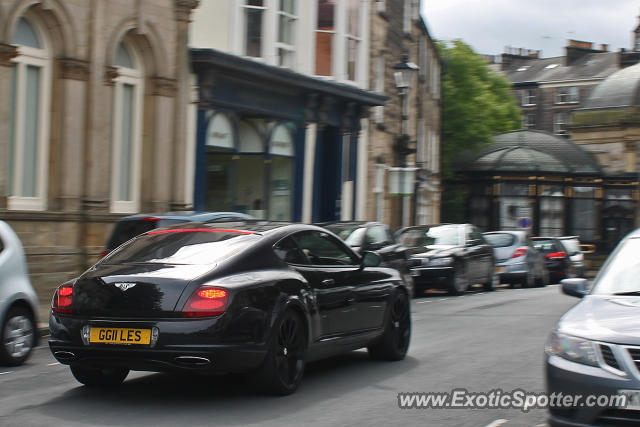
(577,49)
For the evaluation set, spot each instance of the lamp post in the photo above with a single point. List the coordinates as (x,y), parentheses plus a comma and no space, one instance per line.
(403,75)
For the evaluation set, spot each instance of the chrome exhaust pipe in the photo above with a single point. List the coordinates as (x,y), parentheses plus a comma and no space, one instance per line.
(193,360)
(64,355)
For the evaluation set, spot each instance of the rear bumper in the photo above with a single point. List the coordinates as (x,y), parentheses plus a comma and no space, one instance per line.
(183,344)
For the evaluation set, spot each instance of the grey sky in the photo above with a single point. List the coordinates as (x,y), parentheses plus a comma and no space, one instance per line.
(490,25)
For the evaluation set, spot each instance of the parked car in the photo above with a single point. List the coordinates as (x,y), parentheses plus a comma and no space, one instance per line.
(574,251)
(18,301)
(595,347)
(556,257)
(130,226)
(449,256)
(256,297)
(375,237)
(517,261)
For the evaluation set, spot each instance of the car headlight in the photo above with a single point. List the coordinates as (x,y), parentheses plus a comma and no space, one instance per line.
(437,262)
(572,348)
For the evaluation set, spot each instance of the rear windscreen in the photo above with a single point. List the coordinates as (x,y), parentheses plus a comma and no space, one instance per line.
(183,246)
(125,230)
(500,240)
(545,246)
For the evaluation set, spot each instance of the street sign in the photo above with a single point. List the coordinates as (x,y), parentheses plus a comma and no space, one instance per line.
(524,222)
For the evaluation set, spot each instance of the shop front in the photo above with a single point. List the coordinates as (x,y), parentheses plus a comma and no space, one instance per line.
(275,144)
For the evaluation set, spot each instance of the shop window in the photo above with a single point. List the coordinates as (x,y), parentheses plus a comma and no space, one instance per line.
(281,151)
(29,95)
(583,213)
(219,180)
(551,211)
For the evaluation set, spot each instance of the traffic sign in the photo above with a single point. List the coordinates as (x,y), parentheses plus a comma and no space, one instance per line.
(524,222)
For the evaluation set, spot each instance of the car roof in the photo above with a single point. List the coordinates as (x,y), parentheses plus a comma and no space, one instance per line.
(357,223)
(253,225)
(520,233)
(195,216)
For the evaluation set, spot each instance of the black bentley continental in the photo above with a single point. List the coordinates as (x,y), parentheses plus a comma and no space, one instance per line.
(256,297)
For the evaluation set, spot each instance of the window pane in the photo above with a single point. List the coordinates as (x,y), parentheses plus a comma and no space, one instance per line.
(285,33)
(254,33)
(123,58)
(31,125)
(324,37)
(281,189)
(255,3)
(25,35)
(353,18)
(352,58)
(12,142)
(250,190)
(288,6)
(126,142)
(219,182)
(322,249)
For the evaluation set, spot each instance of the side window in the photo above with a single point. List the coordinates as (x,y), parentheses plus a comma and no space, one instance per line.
(476,235)
(289,252)
(377,236)
(322,249)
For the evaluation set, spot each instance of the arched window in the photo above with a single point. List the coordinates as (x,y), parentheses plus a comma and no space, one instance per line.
(127,130)
(30,91)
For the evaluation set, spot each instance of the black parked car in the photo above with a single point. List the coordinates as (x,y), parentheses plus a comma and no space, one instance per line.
(556,257)
(130,226)
(374,237)
(262,298)
(451,256)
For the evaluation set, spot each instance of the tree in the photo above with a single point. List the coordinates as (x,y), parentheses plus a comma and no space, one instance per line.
(477,104)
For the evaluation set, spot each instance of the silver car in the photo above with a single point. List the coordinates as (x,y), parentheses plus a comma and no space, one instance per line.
(517,261)
(18,301)
(574,251)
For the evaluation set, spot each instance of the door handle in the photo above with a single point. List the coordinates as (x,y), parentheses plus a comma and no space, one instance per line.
(328,282)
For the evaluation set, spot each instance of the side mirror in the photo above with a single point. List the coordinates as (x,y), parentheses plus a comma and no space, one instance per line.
(371,259)
(574,287)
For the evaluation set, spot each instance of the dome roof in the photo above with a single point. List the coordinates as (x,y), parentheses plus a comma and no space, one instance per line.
(530,151)
(620,89)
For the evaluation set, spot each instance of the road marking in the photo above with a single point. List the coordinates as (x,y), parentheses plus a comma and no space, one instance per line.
(443,299)
(497,423)
(53,364)
(8,372)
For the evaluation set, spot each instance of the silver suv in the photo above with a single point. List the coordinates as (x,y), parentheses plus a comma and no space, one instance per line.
(18,301)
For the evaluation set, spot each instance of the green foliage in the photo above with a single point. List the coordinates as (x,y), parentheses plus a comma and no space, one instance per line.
(477,102)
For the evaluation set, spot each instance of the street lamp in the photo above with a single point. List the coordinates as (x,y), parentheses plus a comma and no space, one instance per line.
(403,180)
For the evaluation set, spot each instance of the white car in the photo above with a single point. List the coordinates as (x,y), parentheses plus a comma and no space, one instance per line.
(18,301)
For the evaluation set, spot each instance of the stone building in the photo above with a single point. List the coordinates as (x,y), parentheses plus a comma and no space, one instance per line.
(398,28)
(547,89)
(93,113)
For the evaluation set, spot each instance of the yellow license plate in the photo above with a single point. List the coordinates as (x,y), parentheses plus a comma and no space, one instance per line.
(120,336)
(499,269)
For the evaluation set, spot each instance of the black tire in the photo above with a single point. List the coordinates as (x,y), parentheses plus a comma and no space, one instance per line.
(17,336)
(492,281)
(459,283)
(529,280)
(394,342)
(99,377)
(282,369)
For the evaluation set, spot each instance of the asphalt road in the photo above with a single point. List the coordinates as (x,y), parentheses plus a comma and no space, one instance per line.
(479,341)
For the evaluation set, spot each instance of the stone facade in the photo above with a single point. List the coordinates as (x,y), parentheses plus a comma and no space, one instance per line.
(397,28)
(65,230)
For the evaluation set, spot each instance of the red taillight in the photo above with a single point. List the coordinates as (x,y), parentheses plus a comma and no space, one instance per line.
(556,255)
(62,299)
(519,252)
(206,302)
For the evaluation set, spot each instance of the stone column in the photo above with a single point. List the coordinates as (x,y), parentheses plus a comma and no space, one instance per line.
(74,75)
(182,10)
(7,53)
(163,153)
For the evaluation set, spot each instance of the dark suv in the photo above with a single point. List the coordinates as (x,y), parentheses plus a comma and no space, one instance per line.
(129,227)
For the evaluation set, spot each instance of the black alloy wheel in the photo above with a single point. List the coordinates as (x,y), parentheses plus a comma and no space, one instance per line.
(394,343)
(283,367)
